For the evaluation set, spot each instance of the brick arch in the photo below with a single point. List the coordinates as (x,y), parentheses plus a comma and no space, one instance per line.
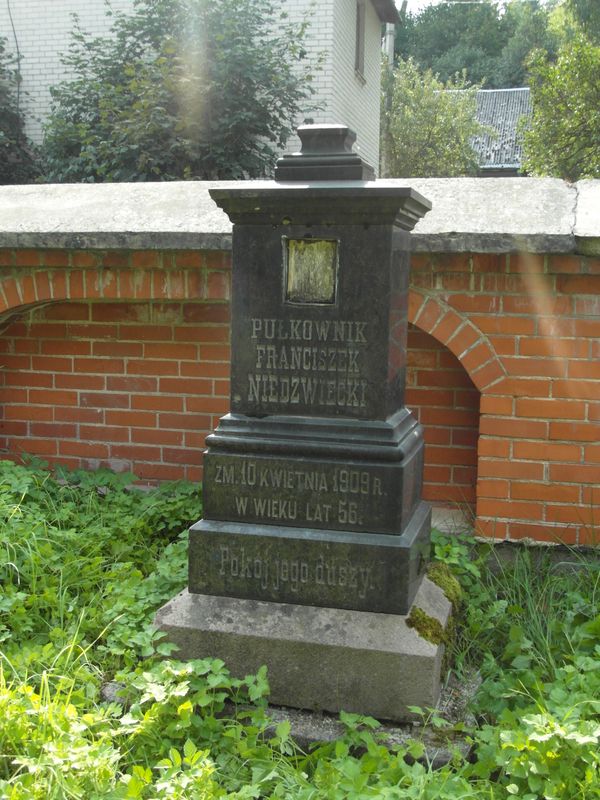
(460,336)
(33,288)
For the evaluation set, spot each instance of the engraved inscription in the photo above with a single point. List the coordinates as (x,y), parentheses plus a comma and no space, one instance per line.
(328,495)
(293,573)
(318,363)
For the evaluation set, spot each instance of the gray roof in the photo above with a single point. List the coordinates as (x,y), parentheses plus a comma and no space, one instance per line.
(501,109)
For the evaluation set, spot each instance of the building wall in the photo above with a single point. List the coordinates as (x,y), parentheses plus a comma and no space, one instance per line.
(43,29)
(121,358)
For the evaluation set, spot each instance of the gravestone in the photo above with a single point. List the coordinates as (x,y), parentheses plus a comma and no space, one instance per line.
(314,539)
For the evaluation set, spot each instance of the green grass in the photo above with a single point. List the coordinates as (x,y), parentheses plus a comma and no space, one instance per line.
(85,564)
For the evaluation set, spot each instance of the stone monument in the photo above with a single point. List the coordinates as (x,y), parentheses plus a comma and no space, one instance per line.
(314,539)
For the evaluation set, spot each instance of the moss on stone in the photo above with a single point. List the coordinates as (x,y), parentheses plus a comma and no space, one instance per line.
(440,574)
(427,627)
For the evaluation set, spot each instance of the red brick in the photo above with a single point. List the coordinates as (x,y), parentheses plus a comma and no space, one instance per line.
(202,333)
(451,455)
(75,381)
(10,287)
(20,362)
(429,315)
(119,349)
(36,447)
(563,348)
(488,262)
(177,351)
(215,352)
(160,437)
(59,397)
(488,487)
(487,375)
(152,367)
(447,326)
(592,453)
(517,470)
(513,428)
(525,387)
(201,369)
(475,303)
(157,402)
(526,263)
(73,414)
(532,304)
(202,386)
(575,431)
(104,433)
(13,428)
(27,258)
(547,451)
(131,383)
(518,531)
(158,472)
(437,473)
(436,435)
(146,258)
(577,389)
(29,412)
(585,369)
(154,333)
(51,364)
(67,311)
(575,473)
(552,492)
(58,430)
(84,449)
(509,509)
(463,339)
(92,331)
(494,404)
(504,345)
(587,306)
(533,367)
(203,313)
(505,325)
(141,419)
(65,348)
(494,448)
(39,379)
(573,514)
(565,264)
(491,529)
(139,452)
(84,259)
(550,408)
(587,327)
(189,258)
(115,260)
(198,422)
(218,405)
(178,455)
(101,365)
(104,400)
(578,284)
(121,312)
(477,357)
(43,289)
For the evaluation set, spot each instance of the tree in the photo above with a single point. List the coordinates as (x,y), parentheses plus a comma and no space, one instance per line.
(563,136)
(427,125)
(17,157)
(181,89)
(490,40)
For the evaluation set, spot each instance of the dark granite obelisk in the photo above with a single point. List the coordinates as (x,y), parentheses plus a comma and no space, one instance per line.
(312,484)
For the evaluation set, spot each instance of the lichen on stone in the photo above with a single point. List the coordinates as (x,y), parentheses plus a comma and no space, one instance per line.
(429,628)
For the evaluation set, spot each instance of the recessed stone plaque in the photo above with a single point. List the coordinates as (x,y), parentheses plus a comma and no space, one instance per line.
(310,270)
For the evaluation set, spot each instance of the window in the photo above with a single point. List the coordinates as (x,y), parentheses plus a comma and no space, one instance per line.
(359,55)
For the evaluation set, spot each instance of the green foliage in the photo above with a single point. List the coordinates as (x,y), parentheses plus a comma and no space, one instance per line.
(182,89)
(86,562)
(17,158)
(563,137)
(427,125)
(490,41)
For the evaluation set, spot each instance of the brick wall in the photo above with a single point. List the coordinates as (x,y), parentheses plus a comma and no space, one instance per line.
(121,358)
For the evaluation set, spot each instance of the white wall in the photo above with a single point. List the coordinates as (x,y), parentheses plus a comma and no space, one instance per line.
(42,29)
(43,32)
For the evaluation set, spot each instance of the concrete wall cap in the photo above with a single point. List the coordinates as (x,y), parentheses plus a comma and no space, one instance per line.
(468,214)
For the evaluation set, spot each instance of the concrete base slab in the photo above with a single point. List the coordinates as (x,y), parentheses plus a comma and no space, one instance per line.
(323,659)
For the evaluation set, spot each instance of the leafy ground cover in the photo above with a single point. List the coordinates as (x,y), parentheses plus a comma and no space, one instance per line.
(85,563)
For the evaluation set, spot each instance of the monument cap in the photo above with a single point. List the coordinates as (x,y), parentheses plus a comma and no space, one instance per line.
(325,154)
